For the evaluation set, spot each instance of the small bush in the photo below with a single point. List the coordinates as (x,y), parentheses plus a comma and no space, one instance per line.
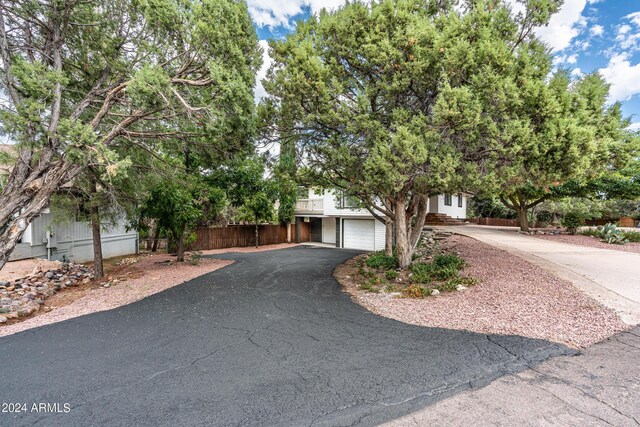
(422,272)
(447,261)
(415,291)
(194,258)
(594,232)
(382,260)
(391,275)
(390,288)
(370,285)
(632,236)
(612,235)
(572,221)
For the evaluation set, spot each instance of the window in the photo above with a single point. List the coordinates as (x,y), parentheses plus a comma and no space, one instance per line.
(447,199)
(348,201)
(459,200)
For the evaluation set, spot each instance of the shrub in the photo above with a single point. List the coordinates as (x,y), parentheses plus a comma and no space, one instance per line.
(382,260)
(632,236)
(611,234)
(422,272)
(594,232)
(447,261)
(390,288)
(370,284)
(415,291)
(391,275)
(194,258)
(572,221)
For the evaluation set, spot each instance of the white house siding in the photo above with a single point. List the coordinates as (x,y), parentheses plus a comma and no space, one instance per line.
(329,230)
(73,240)
(436,205)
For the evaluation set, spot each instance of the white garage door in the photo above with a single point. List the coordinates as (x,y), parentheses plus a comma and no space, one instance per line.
(359,234)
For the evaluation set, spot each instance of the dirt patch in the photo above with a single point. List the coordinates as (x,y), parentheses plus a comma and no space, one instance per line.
(513,297)
(18,269)
(589,241)
(129,279)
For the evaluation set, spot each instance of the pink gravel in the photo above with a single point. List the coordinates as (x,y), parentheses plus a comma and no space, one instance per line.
(18,269)
(156,275)
(514,297)
(590,241)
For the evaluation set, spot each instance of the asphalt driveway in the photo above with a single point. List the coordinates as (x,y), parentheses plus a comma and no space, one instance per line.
(269,340)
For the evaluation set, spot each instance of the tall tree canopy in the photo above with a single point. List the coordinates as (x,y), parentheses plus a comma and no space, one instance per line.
(397,100)
(84,77)
(576,144)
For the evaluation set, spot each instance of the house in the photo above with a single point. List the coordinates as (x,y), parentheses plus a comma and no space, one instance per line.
(70,240)
(336,219)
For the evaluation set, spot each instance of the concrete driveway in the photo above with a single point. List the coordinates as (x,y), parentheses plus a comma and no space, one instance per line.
(609,276)
(269,340)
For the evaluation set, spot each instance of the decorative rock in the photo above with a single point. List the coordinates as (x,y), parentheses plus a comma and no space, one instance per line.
(460,288)
(3,319)
(11,315)
(49,275)
(4,283)
(11,288)
(435,292)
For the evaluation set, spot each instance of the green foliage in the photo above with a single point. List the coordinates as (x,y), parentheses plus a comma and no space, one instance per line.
(443,267)
(390,288)
(612,235)
(194,258)
(391,274)
(394,100)
(382,261)
(572,221)
(632,236)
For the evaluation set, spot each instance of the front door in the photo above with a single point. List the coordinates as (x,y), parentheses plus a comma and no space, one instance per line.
(316,229)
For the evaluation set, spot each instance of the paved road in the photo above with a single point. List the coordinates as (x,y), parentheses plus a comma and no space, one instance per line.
(599,387)
(609,276)
(269,340)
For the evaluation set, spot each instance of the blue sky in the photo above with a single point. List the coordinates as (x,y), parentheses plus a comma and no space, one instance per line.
(585,36)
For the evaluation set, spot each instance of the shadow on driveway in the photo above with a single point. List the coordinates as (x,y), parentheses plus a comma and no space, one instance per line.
(268,340)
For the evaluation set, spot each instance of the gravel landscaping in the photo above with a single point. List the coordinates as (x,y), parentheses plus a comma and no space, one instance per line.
(589,241)
(513,297)
(128,280)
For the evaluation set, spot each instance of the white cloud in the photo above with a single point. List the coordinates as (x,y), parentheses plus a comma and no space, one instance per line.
(564,26)
(628,34)
(572,59)
(259,91)
(577,72)
(634,126)
(596,30)
(623,77)
(270,13)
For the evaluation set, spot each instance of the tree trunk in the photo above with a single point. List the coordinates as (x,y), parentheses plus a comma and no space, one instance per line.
(98,266)
(288,224)
(257,235)
(421,216)
(21,202)
(180,255)
(523,220)
(156,237)
(403,245)
(388,237)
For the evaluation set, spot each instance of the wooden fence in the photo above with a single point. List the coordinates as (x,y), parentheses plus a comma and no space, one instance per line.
(501,222)
(244,235)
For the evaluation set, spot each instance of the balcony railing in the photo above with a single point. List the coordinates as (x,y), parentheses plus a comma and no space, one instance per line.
(309,206)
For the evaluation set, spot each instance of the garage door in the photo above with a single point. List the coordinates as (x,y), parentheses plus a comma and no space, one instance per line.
(359,234)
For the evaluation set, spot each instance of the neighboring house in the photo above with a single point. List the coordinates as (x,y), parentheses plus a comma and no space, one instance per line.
(333,218)
(69,240)
(72,240)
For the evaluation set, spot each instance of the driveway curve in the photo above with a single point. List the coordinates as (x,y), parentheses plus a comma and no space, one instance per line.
(269,340)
